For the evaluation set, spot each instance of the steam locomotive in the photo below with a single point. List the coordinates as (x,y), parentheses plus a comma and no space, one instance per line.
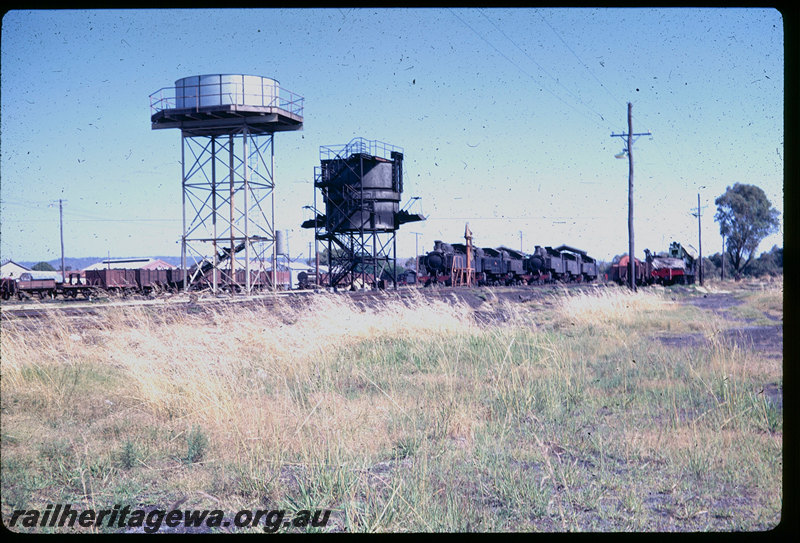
(505,266)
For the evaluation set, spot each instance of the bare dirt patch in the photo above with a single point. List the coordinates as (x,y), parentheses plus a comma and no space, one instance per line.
(716,302)
(766,340)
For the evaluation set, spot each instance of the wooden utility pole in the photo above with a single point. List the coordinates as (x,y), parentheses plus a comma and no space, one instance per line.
(631,259)
(700,238)
(416,253)
(61,228)
(469,270)
(629,151)
(61,233)
(698,214)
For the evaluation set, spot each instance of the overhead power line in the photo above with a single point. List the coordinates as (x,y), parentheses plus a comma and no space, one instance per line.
(536,218)
(71,214)
(91,220)
(524,52)
(518,67)
(579,60)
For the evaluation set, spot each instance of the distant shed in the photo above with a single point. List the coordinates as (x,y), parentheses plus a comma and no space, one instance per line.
(9,268)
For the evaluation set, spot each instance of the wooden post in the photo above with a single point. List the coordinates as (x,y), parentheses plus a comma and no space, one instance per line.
(61,230)
(468,238)
(631,259)
(700,240)
(629,151)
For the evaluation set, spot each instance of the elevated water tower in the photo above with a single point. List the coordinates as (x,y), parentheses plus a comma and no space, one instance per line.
(361,184)
(228,124)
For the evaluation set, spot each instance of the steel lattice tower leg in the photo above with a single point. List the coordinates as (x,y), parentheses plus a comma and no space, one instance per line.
(228,209)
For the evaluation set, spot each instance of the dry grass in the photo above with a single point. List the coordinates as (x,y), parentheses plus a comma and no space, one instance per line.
(615,306)
(401,415)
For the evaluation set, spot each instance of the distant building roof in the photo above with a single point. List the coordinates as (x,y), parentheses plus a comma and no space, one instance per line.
(131,264)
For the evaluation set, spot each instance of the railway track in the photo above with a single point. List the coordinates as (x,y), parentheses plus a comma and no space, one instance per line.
(79,308)
(474,296)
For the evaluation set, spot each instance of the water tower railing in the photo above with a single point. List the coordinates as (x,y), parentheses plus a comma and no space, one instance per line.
(233,94)
(358,146)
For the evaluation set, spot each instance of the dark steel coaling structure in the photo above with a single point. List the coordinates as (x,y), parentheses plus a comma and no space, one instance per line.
(361,185)
(227,123)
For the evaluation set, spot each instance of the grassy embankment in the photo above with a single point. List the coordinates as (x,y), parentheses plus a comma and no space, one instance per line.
(404,418)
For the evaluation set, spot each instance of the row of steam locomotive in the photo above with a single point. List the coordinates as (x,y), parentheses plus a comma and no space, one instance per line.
(504,266)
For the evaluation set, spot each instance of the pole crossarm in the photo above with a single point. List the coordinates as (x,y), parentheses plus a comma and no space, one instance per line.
(633,136)
(699,214)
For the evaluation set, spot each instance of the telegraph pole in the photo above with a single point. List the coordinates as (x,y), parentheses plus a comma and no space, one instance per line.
(416,253)
(700,238)
(698,214)
(61,228)
(469,271)
(61,232)
(629,138)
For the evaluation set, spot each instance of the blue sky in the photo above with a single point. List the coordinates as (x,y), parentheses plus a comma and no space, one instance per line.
(505,117)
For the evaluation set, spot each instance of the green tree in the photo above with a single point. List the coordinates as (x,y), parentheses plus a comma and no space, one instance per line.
(770,263)
(338,253)
(716,260)
(710,267)
(745,217)
(42,266)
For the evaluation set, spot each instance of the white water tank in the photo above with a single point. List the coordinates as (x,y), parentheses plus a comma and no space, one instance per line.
(280,242)
(202,91)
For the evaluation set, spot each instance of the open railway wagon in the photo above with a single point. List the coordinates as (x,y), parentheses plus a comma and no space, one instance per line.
(619,271)
(260,280)
(32,285)
(153,281)
(112,280)
(27,287)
